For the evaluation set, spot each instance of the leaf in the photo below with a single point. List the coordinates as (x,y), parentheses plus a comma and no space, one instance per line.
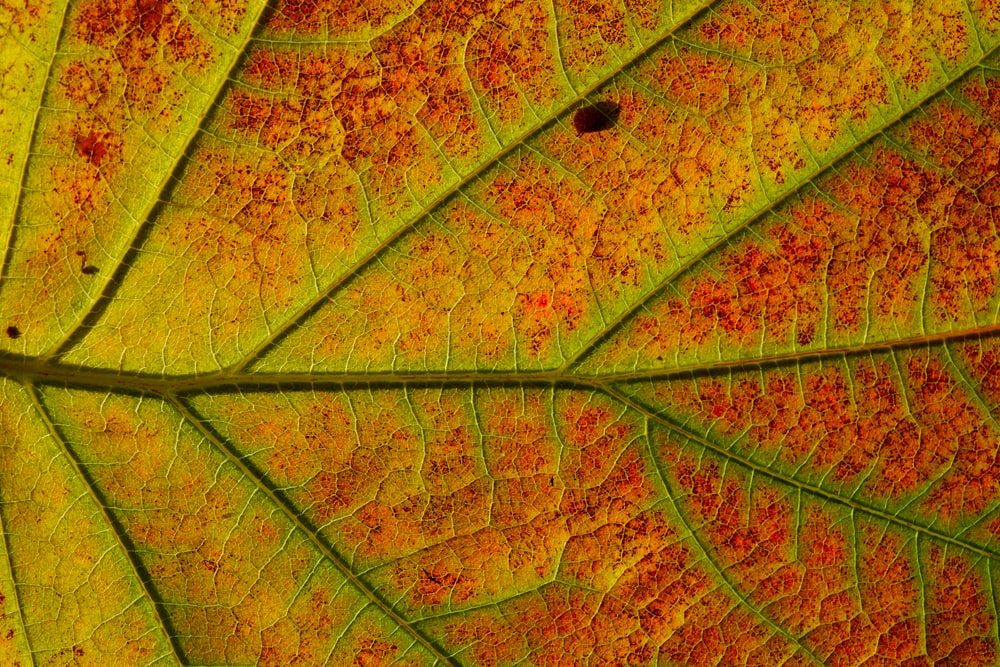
(330,337)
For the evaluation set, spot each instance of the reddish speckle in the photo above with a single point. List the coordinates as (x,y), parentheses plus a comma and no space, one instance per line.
(750,535)
(334,16)
(987,14)
(519,434)
(965,248)
(374,653)
(754,290)
(515,276)
(373,108)
(955,426)
(890,595)
(508,60)
(638,620)
(591,31)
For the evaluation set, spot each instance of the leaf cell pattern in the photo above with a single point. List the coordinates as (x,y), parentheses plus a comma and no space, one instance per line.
(329,338)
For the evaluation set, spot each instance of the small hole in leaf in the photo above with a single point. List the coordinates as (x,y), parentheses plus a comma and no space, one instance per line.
(88,269)
(13,332)
(596,117)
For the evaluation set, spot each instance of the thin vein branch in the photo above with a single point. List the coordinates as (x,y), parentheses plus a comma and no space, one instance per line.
(788,481)
(9,567)
(716,567)
(797,358)
(335,559)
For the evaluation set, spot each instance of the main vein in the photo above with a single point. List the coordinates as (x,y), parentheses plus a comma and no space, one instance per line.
(27,369)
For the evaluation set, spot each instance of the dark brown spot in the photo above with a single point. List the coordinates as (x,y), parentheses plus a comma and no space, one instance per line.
(13,332)
(88,269)
(596,117)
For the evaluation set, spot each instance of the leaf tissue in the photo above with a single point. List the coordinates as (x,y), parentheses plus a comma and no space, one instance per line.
(500,332)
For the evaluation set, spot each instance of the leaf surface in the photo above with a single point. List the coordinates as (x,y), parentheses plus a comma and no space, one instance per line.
(329,337)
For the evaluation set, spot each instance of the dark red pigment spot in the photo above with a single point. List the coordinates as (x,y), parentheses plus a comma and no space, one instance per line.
(13,332)
(92,147)
(596,118)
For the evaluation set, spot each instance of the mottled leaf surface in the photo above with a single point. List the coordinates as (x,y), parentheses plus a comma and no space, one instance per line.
(500,332)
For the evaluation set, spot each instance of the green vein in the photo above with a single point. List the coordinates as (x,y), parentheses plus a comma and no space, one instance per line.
(368,591)
(706,556)
(590,346)
(113,527)
(993,600)
(156,199)
(794,358)
(308,309)
(790,481)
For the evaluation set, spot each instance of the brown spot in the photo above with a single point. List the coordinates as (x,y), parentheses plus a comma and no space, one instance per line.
(13,332)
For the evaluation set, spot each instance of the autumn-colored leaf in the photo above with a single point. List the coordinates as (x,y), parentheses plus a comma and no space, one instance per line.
(500,332)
